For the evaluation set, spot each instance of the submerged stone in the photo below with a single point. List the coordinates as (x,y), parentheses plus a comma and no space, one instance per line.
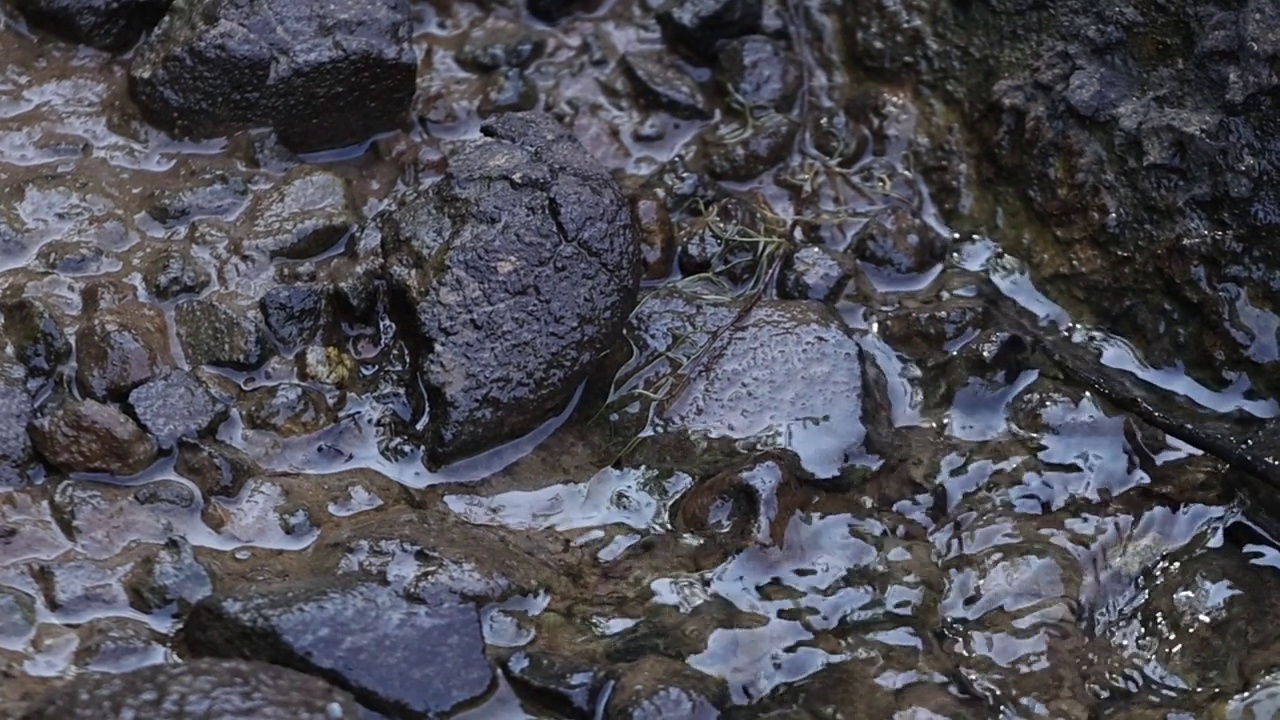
(208,689)
(323,75)
(518,269)
(401,658)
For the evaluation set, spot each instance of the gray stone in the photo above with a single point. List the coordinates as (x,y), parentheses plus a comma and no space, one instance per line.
(212,333)
(207,689)
(397,657)
(176,405)
(306,214)
(296,314)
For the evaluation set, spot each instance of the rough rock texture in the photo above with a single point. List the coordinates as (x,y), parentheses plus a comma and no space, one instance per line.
(517,269)
(88,436)
(103,24)
(16,410)
(33,335)
(323,75)
(304,216)
(660,83)
(207,689)
(696,26)
(759,72)
(120,347)
(297,313)
(176,405)
(1143,132)
(400,658)
(287,409)
(213,332)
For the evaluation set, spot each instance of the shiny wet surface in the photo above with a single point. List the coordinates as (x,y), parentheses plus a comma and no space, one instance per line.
(1009,545)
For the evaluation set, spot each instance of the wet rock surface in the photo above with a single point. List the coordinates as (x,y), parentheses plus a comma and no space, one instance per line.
(103,24)
(322,76)
(524,224)
(119,348)
(862,448)
(214,689)
(382,634)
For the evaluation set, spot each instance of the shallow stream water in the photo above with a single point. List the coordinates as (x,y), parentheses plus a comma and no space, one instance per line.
(1010,546)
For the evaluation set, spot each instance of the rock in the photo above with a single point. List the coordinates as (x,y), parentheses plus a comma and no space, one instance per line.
(104,24)
(696,26)
(551,11)
(17,615)
(218,196)
(306,214)
(296,314)
(323,75)
(35,337)
(73,257)
(212,333)
(523,225)
(661,84)
(218,469)
(176,405)
(899,240)
(360,635)
(88,436)
(120,347)
(287,409)
(759,72)
(741,155)
(654,688)
(786,374)
(509,91)
(172,271)
(209,689)
(16,410)
(115,644)
(557,677)
(657,235)
(814,273)
(173,577)
(499,45)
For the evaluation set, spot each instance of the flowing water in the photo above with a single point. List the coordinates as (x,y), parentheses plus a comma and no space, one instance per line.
(1009,545)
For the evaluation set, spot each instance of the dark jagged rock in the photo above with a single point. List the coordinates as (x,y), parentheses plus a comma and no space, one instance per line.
(208,689)
(172,270)
(696,26)
(324,75)
(16,411)
(213,333)
(103,24)
(517,269)
(661,84)
(35,337)
(398,657)
(88,436)
(176,405)
(296,314)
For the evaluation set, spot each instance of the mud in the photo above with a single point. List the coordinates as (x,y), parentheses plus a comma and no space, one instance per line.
(850,457)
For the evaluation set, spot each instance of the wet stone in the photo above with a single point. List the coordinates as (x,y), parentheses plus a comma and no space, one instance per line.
(35,337)
(117,644)
(323,75)
(558,679)
(303,216)
(287,409)
(79,586)
(509,91)
(89,436)
(119,348)
(696,26)
(173,577)
(209,689)
(172,271)
(212,333)
(744,154)
(219,196)
(218,469)
(656,688)
(72,257)
(103,25)
(900,241)
(663,85)
(381,635)
(759,72)
(524,224)
(176,405)
(657,235)
(296,314)
(814,273)
(17,615)
(16,411)
(497,45)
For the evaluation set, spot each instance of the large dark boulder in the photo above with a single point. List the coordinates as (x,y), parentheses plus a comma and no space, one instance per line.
(1143,134)
(323,74)
(103,24)
(208,689)
(516,270)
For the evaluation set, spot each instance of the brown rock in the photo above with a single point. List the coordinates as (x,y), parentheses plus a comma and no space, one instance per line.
(89,436)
